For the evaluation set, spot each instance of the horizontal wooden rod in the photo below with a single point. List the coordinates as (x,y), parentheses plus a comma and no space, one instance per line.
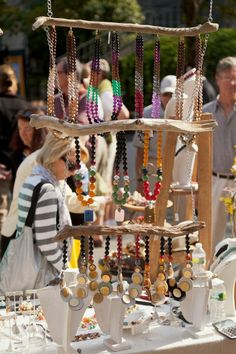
(207,27)
(72,129)
(90,230)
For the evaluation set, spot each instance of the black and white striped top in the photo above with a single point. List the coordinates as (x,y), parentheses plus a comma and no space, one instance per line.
(45,222)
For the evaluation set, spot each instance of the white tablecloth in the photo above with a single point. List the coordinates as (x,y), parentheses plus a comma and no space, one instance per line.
(159,339)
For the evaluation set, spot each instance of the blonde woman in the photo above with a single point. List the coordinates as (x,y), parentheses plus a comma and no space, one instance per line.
(56,161)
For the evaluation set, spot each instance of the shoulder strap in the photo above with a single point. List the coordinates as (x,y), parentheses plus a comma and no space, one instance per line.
(35,197)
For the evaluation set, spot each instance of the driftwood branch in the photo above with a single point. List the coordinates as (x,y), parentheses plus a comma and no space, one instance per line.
(90,230)
(71,129)
(207,27)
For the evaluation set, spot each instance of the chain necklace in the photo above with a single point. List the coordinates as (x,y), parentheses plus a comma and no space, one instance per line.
(180,79)
(52,41)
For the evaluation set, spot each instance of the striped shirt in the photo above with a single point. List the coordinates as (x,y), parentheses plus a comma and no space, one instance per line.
(45,221)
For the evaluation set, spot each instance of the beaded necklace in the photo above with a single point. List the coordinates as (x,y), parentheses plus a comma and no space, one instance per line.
(156,104)
(146,280)
(119,198)
(71,78)
(104,287)
(139,77)
(93,117)
(135,288)
(93,274)
(160,285)
(81,290)
(116,85)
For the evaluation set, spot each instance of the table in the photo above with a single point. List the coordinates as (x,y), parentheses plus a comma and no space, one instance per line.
(160,339)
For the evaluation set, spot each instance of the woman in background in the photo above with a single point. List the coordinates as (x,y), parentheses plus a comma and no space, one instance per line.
(25,139)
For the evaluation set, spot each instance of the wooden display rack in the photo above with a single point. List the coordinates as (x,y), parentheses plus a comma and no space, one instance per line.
(202,128)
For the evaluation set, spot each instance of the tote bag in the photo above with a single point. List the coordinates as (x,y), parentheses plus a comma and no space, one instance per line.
(23,266)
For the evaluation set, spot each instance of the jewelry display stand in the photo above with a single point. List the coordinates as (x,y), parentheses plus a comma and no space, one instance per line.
(226,270)
(116,318)
(62,322)
(194,306)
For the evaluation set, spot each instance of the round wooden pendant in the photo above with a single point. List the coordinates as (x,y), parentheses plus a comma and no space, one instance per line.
(134,290)
(137,278)
(127,300)
(187,272)
(178,294)
(185,284)
(66,293)
(158,299)
(92,267)
(161,287)
(83,269)
(105,288)
(106,277)
(93,275)
(75,303)
(171,283)
(81,292)
(82,279)
(161,276)
(98,298)
(93,285)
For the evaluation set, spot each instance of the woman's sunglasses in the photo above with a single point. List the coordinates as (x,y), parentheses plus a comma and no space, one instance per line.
(71,166)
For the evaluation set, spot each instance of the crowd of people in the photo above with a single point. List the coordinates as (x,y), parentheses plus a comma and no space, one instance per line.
(29,156)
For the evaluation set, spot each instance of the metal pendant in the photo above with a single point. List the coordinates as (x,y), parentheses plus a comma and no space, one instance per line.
(105,288)
(75,304)
(134,290)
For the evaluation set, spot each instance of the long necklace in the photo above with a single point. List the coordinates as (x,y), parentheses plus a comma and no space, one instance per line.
(93,117)
(160,285)
(156,104)
(119,197)
(93,274)
(81,290)
(198,97)
(139,77)
(180,79)
(104,287)
(116,85)
(52,40)
(73,97)
(146,280)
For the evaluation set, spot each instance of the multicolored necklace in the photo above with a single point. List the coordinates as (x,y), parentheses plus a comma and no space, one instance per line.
(93,117)
(119,197)
(116,85)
